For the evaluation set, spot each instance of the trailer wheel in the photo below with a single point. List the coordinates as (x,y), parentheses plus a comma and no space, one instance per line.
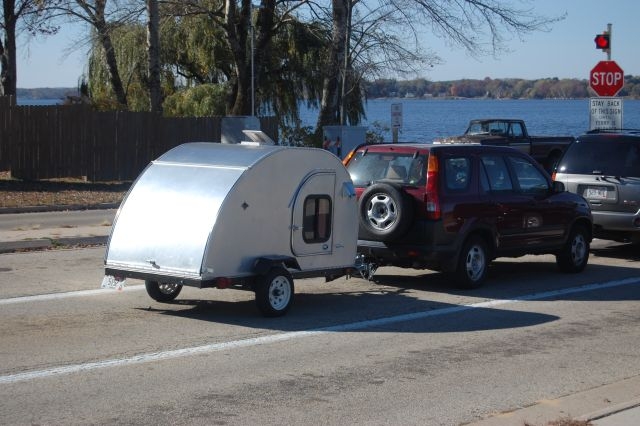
(162,292)
(274,292)
(385,211)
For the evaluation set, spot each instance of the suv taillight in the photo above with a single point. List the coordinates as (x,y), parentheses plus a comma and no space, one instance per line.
(431,191)
(348,157)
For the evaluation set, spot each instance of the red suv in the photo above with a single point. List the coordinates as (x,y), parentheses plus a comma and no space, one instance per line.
(454,208)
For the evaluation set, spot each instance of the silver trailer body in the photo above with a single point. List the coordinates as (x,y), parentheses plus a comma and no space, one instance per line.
(204,211)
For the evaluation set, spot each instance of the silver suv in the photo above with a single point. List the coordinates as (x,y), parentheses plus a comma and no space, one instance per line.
(604,167)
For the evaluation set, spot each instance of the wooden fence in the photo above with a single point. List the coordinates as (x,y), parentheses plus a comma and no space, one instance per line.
(44,142)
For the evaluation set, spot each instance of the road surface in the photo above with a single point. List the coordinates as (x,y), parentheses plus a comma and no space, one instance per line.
(404,349)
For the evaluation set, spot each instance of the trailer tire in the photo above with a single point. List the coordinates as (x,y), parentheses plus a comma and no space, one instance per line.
(274,292)
(385,213)
(162,292)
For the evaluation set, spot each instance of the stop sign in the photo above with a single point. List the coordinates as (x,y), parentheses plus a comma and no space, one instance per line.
(606,78)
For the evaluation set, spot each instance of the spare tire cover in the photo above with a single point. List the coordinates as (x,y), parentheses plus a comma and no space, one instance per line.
(385,213)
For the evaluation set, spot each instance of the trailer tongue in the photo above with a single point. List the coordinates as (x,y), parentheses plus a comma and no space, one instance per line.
(250,217)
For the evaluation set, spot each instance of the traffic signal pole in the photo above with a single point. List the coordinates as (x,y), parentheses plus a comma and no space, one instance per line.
(603,41)
(610,36)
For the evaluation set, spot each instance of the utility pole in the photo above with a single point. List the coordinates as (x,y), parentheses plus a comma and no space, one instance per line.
(347,37)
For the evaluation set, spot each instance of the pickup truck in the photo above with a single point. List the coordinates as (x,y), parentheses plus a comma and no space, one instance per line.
(546,150)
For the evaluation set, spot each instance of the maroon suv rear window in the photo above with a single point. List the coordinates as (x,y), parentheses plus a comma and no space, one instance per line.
(404,168)
(457,173)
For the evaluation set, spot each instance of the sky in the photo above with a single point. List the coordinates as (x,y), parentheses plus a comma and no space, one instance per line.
(566,51)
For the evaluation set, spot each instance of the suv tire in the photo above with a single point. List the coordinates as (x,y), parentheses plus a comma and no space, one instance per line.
(575,254)
(472,263)
(385,213)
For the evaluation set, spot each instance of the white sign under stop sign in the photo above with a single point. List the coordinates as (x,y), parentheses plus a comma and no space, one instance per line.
(606,78)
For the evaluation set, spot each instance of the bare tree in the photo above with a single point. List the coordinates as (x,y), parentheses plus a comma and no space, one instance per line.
(380,36)
(103,17)
(28,15)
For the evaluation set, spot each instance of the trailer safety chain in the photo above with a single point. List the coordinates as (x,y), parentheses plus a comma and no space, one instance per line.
(366,269)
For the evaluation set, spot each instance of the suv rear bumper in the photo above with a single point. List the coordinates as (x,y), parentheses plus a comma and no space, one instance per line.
(407,255)
(617,221)
(617,226)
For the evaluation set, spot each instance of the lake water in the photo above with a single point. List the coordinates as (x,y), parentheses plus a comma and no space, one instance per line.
(41,102)
(426,119)
(423,120)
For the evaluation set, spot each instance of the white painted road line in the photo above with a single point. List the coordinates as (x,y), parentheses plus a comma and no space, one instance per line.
(66,295)
(264,340)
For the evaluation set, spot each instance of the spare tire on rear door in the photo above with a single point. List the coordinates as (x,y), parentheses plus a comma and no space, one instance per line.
(385,213)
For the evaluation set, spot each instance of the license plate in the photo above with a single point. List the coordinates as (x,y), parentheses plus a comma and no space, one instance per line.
(117,283)
(599,193)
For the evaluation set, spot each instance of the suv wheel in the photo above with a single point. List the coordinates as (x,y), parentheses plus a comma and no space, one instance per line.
(472,264)
(385,213)
(574,255)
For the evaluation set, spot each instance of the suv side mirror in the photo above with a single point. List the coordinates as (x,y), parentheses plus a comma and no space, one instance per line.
(558,186)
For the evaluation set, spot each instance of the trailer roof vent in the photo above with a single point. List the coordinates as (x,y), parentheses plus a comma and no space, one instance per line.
(257,137)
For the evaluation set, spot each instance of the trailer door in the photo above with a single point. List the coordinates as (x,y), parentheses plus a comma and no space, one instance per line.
(312,221)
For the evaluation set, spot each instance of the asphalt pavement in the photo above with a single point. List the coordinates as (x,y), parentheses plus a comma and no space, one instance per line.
(37,229)
(615,404)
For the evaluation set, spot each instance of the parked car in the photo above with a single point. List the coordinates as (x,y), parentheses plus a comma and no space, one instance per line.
(456,207)
(546,150)
(604,167)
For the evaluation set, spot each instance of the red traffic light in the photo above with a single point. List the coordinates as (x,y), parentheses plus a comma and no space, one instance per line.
(603,41)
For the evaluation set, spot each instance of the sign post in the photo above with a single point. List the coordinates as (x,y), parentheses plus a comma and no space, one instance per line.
(396,120)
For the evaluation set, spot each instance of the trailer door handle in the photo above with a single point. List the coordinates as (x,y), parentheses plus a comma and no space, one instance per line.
(294,227)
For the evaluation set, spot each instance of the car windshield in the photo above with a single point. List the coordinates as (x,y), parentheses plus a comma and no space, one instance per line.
(366,167)
(488,127)
(602,156)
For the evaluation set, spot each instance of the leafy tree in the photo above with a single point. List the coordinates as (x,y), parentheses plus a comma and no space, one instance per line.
(203,100)
(193,49)
(128,54)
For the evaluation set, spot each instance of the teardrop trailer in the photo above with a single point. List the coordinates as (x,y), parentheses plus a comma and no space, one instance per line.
(239,216)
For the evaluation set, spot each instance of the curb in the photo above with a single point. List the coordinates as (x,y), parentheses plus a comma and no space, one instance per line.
(610,411)
(601,405)
(58,208)
(49,243)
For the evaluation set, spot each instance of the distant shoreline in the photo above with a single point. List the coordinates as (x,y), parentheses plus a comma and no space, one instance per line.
(41,93)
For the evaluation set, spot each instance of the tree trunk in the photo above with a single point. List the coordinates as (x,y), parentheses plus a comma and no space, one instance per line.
(153,48)
(8,71)
(107,45)
(263,44)
(237,24)
(330,102)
